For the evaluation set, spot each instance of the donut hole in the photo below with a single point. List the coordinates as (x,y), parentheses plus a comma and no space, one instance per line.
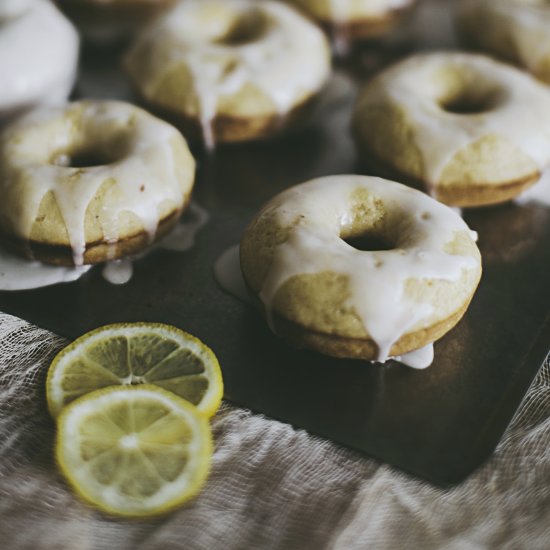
(370,229)
(369,242)
(90,155)
(470,101)
(82,159)
(247,28)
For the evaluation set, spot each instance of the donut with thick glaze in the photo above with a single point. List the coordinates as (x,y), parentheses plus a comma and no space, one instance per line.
(470,130)
(322,289)
(230,70)
(90,182)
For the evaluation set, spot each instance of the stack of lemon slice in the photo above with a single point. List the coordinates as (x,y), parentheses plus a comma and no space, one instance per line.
(132,403)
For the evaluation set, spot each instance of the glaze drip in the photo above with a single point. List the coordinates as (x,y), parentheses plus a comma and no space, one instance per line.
(229,44)
(317,213)
(518,106)
(151,174)
(228,275)
(118,272)
(22,274)
(418,359)
(183,236)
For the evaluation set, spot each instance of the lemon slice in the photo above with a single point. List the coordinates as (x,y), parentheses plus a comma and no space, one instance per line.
(133,451)
(132,354)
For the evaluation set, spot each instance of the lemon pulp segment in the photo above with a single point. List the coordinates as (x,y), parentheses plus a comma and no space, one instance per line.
(134,354)
(133,451)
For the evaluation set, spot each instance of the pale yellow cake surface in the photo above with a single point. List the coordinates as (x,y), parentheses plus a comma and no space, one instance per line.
(468,130)
(236,68)
(133,178)
(317,309)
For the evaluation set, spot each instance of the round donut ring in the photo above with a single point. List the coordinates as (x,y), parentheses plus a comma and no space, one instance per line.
(322,290)
(470,130)
(90,182)
(230,70)
(516,30)
(38,56)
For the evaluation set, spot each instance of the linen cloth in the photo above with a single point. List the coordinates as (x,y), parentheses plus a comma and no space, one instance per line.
(271,486)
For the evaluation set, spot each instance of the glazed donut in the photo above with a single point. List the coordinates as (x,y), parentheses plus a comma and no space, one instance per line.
(90,182)
(356,19)
(108,21)
(321,290)
(470,130)
(517,30)
(231,70)
(38,56)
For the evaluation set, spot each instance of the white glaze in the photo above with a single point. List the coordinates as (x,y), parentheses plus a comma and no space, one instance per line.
(118,272)
(525,23)
(522,116)
(146,177)
(38,57)
(289,61)
(18,273)
(182,237)
(228,275)
(376,279)
(418,359)
(21,274)
(538,193)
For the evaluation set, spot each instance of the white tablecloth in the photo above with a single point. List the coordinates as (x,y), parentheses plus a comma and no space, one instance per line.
(271,486)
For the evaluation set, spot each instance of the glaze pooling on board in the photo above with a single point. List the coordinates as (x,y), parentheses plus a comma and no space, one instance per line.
(420,358)
(38,56)
(147,176)
(21,274)
(538,193)
(118,272)
(183,236)
(521,114)
(318,212)
(288,61)
(180,239)
(228,275)
(18,273)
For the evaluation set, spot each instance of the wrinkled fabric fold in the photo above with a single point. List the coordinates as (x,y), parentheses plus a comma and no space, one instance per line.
(271,486)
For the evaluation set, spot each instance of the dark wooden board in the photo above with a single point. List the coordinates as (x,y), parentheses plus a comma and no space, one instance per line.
(439,423)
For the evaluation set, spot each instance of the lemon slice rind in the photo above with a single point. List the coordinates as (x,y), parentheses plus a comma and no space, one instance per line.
(190,434)
(64,366)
